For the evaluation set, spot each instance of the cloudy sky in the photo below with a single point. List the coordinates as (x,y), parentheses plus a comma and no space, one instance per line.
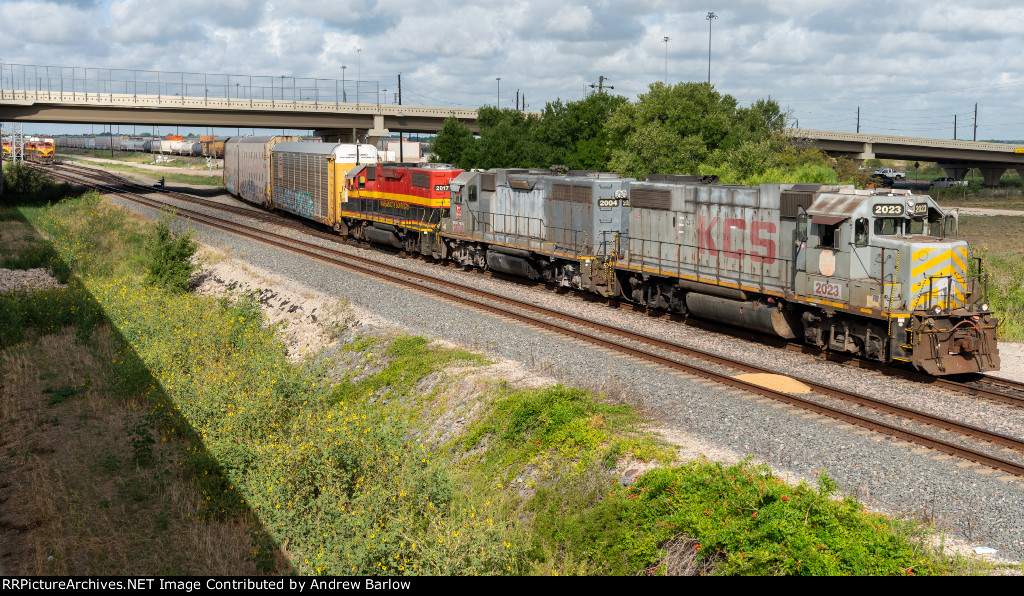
(911,66)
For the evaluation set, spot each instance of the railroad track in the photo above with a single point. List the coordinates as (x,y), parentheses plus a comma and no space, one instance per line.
(650,349)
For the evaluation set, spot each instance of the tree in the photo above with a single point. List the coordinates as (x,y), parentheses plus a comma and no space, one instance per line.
(575,132)
(677,129)
(451,142)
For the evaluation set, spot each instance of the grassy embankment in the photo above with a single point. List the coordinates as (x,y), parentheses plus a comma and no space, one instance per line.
(173,161)
(999,240)
(151,431)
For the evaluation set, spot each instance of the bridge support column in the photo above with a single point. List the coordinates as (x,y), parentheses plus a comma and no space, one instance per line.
(378,130)
(867,153)
(955,171)
(992,174)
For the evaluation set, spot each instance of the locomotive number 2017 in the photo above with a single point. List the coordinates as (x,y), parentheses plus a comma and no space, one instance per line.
(823,288)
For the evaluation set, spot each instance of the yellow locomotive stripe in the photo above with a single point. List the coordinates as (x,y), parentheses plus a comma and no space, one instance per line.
(932,262)
(923,283)
(405,223)
(403,198)
(959,264)
(923,253)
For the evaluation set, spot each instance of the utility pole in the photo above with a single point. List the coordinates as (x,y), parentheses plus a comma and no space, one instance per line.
(711,16)
(600,86)
(667,39)
(975,122)
(401,135)
(858,119)
(954,127)
(498,105)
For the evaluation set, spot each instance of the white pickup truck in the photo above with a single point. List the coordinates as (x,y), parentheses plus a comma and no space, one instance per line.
(947,182)
(890,173)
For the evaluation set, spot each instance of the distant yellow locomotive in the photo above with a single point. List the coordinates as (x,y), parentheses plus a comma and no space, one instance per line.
(39,150)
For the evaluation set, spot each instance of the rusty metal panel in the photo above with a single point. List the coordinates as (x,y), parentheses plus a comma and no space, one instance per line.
(791,202)
(646,198)
(844,205)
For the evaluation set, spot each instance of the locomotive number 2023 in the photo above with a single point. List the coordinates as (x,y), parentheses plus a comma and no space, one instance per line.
(823,288)
(889,209)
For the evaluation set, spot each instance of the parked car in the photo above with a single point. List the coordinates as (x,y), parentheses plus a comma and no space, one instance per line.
(890,173)
(948,181)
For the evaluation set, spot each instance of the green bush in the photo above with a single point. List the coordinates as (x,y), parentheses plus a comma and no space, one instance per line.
(739,520)
(168,258)
(24,185)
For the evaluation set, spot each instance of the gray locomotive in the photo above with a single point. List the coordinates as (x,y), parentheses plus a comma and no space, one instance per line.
(875,273)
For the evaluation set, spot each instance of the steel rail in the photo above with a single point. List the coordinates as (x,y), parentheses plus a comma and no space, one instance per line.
(426,283)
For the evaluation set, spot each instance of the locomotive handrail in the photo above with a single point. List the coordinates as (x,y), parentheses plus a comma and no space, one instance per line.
(487,227)
(629,256)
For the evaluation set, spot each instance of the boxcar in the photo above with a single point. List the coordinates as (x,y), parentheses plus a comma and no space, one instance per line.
(308,179)
(247,167)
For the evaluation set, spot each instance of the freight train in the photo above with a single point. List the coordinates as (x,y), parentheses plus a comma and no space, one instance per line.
(207,146)
(873,273)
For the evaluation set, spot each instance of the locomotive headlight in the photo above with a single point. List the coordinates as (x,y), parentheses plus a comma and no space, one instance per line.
(936,310)
(984,307)
(910,204)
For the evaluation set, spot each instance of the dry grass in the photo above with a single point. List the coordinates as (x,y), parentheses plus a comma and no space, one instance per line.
(71,499)
(16,236)
(995,233)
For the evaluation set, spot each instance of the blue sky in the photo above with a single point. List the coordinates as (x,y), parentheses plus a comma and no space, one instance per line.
(910,66)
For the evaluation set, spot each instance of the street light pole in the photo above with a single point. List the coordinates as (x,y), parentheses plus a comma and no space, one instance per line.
(344,97)
(498,105)
(666,40)
(711,16)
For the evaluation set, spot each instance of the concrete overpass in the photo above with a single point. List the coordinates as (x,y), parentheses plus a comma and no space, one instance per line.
(337,109)
(955,157)
(334,120)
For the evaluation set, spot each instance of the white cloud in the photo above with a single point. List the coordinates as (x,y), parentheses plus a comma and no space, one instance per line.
(908,65)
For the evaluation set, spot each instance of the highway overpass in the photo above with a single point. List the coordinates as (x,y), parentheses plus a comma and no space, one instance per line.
(955,157)
(341,121)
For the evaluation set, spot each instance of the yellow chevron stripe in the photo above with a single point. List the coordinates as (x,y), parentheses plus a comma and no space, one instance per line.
(960,267)
(944,255)
(924,280)
(923,253)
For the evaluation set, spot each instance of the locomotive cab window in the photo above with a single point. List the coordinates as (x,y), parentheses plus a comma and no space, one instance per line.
(860,235)
(828,235)
(472,193)
(951,227)
(801,225)
(888,226)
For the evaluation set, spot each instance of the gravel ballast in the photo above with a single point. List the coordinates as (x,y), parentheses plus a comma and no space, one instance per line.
(979,505)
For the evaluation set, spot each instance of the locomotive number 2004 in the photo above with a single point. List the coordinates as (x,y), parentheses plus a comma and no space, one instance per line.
(823,288)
